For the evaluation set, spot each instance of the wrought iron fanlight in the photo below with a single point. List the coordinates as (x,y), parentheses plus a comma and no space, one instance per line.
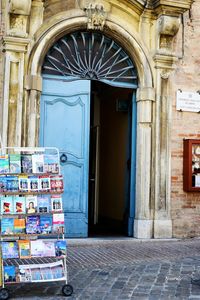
(90,55)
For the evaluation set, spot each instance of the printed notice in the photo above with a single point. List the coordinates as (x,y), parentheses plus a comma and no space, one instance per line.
(188,101)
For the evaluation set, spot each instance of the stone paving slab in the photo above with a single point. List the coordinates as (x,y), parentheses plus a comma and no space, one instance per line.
(123,270)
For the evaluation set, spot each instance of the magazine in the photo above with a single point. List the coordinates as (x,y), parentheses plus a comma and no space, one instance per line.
(44,183)
(56,203)
(56,182)
(37,248)
(24,249)
(12,183)
(9,273)
(19,205)
(23,183)
(7,226)
(49,248)
(58,223)
(32,225)
(4,164)
(31,204)
(38,163)
(7,205)
(33,182)
(51,164)
(43,203)
(3,183)
(46,224)
(10,250)
(26,163)
(24,273)
(19,226)
(15,163)
(61,248)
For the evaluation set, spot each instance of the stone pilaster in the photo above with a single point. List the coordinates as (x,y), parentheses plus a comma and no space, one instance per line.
(143,223)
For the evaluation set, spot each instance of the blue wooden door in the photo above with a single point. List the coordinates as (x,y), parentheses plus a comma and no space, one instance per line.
(65,123)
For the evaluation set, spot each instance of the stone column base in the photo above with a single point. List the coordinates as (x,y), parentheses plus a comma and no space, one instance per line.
(162,229)
(143,229)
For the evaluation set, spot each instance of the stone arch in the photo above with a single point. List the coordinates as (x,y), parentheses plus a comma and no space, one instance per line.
(63,24)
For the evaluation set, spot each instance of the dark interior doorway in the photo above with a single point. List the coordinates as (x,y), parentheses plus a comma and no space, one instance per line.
(110,150)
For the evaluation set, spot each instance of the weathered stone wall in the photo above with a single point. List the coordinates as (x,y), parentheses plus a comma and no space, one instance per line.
(185,206)
(2,31)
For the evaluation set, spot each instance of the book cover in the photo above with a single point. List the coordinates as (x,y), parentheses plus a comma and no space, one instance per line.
(19,205)
(7,205)
(33,225)
(31,204)
(15,163)
(9,273)
(43,203)
(51,164)
(23,183)
(56,182)
(4,164)
(61,248)
(3,183)
(44,183)
(37,248)
(10,250)
(26,163)
(33,183)
(46,224)
(58,223)
(24,248)
(19,225)
(56,203)
(12,183)
(38,163)
(7,226)
(49,248)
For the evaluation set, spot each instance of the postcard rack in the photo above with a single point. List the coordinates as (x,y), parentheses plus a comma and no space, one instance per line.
(32,244)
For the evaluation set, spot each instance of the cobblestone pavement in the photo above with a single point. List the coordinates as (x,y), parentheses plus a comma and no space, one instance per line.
(125,269)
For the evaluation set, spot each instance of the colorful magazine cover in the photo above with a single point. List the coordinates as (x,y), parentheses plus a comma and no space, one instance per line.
(46,223)
(7,205)
(19,205)
(33,182)
(3,183)
(43,203)
(56,203)
(19,225)
(4,164)
(15,163)
(12,184)
(24,248)
(44,183)
(51,164)
(58,223)
(7,226)
(24,273)
(26,163)
(33,225)
(31,204)
(9,273)
(38,163)
(56,183)
(23,183)
(10,250)
(49,248)
(61,248)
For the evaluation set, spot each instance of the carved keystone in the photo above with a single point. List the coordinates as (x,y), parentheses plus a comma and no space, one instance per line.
(96,16)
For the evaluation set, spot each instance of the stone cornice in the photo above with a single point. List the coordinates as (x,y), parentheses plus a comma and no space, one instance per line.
(171,7)
(15,44)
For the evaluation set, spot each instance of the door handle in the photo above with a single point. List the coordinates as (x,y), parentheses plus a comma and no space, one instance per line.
(63,158)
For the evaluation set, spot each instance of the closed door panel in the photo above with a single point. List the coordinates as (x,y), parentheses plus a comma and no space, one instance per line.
(65,117)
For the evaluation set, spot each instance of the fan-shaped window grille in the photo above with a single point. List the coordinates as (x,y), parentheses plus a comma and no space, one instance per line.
(90,55)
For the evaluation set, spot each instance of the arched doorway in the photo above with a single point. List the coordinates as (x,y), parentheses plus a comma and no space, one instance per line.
(69,68)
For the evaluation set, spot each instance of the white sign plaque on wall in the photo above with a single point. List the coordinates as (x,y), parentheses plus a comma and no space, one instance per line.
(188,101)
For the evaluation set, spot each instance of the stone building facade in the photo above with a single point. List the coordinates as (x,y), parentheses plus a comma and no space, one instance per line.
(161,38)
